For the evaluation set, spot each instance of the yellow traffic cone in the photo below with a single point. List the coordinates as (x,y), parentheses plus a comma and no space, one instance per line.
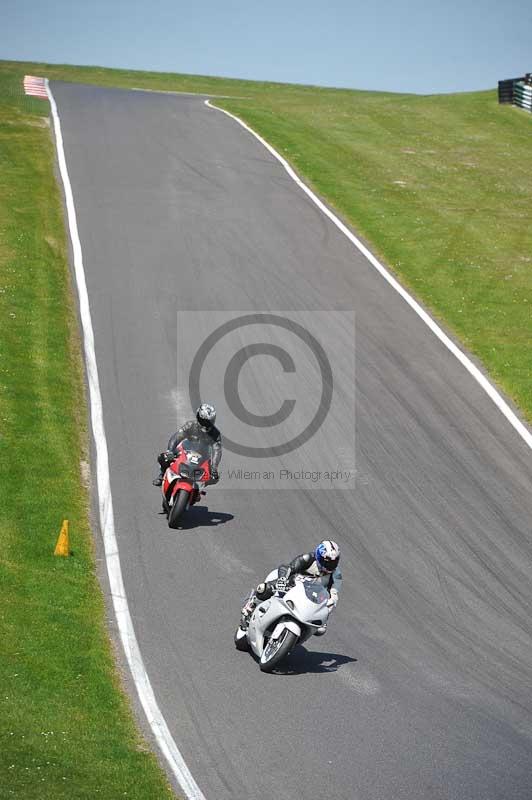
(62,547)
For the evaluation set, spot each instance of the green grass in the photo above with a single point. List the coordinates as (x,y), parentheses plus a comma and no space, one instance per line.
(441,188)
(66,730)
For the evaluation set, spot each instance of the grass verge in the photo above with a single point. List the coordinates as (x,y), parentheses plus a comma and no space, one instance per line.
(66,728)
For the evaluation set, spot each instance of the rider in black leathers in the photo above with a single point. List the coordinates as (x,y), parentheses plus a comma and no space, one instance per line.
(320,563)
(200,428)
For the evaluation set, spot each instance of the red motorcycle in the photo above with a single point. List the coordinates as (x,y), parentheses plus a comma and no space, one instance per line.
(189,471)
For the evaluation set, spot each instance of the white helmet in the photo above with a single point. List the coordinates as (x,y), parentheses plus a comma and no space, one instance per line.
(206,415)
(327,555)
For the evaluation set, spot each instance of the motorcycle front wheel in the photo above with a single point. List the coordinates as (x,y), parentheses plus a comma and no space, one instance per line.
(180,503)
(241,641)
(277,649)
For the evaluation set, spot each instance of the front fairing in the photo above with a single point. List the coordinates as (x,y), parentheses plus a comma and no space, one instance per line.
(190,469)
(173,482)
(305,602)
(262,620)
(195,458)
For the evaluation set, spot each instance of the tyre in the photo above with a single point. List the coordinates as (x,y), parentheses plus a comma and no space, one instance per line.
(180,503)
(241,641)
(277,649)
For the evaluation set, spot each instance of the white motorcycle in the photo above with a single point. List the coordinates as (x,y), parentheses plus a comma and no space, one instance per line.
(286,619)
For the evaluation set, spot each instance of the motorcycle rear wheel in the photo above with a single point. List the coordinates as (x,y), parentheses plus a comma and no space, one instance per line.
(279,649)
(180,503)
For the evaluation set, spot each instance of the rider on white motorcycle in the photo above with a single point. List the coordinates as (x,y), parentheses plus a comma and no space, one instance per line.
(320,563)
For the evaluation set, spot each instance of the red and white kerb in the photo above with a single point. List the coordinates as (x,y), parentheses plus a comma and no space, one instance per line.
(35,86)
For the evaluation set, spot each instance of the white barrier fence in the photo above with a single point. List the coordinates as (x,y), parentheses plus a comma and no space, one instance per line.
(523,95)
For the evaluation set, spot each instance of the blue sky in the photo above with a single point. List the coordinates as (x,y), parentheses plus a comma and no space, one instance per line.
(394,45)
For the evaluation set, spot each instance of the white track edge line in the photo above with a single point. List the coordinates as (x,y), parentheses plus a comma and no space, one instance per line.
(123,617)
(490,390)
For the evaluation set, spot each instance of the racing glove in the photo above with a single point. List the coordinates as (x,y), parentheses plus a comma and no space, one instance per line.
(331,603)
(284,571)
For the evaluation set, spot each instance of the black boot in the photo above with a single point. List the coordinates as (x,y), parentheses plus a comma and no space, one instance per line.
(164,460)
(247,611)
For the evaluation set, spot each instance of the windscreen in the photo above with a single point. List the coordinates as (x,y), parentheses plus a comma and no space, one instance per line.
(316,592)
(202,447)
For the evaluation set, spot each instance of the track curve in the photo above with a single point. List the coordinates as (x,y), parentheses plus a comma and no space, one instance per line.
(421,689)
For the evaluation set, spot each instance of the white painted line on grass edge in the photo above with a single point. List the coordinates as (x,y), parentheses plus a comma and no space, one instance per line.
(123,617)
(490,390)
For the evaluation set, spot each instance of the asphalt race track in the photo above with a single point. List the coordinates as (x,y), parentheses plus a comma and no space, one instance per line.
(422,687)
